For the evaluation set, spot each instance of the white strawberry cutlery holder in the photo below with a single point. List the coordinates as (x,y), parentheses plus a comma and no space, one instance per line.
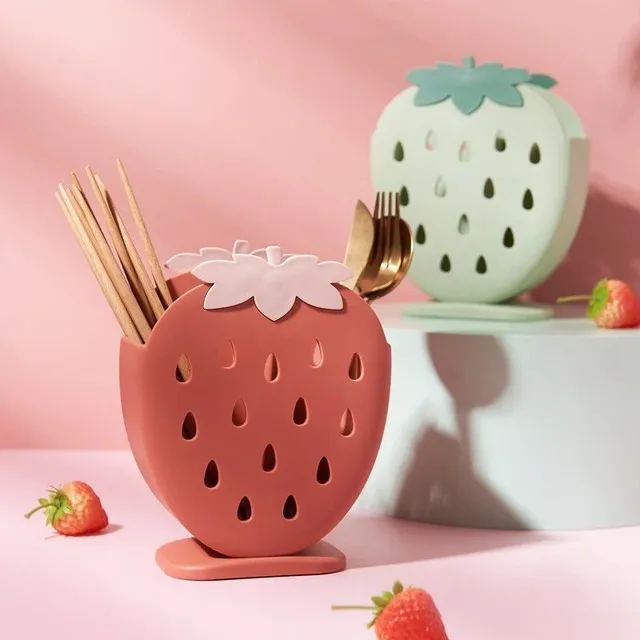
(492,169)
(255,410)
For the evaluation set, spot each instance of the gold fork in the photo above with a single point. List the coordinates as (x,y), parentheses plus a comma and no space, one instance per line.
(392,249)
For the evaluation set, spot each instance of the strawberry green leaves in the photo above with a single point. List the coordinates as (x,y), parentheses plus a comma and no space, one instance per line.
(599,299)
(274,284)
(469,85)
(55,506)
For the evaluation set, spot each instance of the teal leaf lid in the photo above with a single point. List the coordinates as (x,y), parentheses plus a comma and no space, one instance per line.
(469,85)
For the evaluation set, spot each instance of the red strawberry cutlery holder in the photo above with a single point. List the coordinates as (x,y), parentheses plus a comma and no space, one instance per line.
(264,446)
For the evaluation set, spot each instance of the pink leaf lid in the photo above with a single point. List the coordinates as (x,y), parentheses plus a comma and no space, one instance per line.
(186,262)
(274,281)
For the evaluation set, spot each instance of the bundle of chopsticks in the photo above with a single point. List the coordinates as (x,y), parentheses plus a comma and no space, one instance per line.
(137,297)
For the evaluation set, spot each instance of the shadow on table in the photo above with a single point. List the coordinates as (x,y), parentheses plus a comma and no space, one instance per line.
(112,528)
(372,541)
(440,486)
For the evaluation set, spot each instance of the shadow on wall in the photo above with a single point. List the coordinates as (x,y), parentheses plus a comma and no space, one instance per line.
(632,61)
(441,486)
(606,246)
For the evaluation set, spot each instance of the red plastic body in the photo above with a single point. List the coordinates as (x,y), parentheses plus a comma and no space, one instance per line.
(230,472)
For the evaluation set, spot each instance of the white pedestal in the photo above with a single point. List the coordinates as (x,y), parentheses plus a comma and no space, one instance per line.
(510,425)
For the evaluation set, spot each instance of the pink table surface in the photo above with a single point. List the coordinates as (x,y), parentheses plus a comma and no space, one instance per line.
(488,585)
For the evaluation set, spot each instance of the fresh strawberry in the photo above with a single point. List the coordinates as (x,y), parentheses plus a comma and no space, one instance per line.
(73,510)
(612,305)
(404,614)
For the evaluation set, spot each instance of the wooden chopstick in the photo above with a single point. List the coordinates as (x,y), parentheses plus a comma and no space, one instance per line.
(154,264)
(109,290)
(150,293)
(136,300)
(119,246)
(152,297)
(86,216)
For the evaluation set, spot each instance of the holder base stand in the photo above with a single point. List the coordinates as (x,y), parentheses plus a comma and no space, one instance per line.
(507,312)
(188,559)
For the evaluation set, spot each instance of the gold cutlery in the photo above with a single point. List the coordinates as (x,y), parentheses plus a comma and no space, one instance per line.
(360,243)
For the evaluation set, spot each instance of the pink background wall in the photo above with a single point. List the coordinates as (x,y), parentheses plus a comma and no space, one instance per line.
(250,118)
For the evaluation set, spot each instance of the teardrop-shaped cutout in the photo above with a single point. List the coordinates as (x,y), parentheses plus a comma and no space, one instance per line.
(445,264)
(211,475)
(356,368)
(269,459)
(500,142)
(489,190)
(290,509)
(189,427)
(404,196)
(316,355)
(347,423)
(323,473)
(421,235)
(398,152)
(463,224)
(183,369)
(508,239)
(239,415)
(440,188)
(271,368)
(300,412)
(535,155)
(481,265)
(527,200)
(464,154)
(430,141)
(244,510)
(228,355)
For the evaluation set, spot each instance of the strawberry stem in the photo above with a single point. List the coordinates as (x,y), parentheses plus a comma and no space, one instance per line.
(352,608)
(573,299)
(42,506)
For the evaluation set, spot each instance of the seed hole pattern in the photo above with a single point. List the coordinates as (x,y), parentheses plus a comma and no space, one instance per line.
(189,427)
(316,355)
(430,141)
(211,475)
(481,265)
(404,196)
(347,423)
(421,235)
(230,356)
(356,367)
(269,459)
(464,154)
(323,473)
(508,240)
(300,412)
(463,224)
(489,189)
(527,200)
(271,368)
(500,143)
(440,188)
(183,369)
(398,152)
(534,155)
(239,415)
(245,511)
(290,509)
(445,264)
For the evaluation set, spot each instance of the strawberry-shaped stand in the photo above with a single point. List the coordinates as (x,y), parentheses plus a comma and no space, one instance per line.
(492,171)
(265,448)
